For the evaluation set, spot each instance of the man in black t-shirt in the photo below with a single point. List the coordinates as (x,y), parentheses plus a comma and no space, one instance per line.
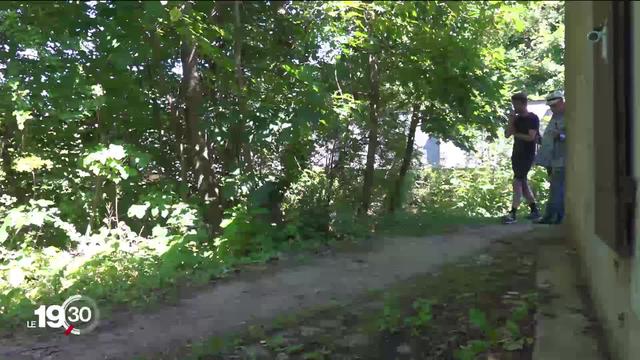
(524,127)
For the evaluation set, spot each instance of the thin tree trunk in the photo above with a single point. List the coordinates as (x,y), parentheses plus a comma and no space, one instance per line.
(6,143)
(98,187)
(199,154)
(156,83)
(179,143)
(335,170)
(394,196)
(374,103)
(240,150)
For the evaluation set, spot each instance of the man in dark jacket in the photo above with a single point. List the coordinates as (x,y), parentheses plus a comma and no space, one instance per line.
(524,126)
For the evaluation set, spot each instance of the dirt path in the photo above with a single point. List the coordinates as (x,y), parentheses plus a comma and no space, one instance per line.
(231,305)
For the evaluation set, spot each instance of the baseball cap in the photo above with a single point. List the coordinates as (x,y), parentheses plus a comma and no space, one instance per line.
(554,97)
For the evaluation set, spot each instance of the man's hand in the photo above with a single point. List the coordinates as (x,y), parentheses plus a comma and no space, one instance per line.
(556,134)
(511,129)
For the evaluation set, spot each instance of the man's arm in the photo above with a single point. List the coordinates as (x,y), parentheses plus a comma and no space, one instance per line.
(558,133)
(531,136)
(533,124)
(510,130)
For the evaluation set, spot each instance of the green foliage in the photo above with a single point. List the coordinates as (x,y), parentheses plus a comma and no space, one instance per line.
(475,192)
(422,318)
(36,224)
(109,162)
(472,350)
(246,233)
(391,319)
(534,52)
(31,163)
(479,320)
(306,205)
(119,181)
(508,335)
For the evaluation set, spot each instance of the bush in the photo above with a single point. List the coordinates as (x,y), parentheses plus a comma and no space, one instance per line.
(477,192)
(306,205)
(247,233)
(113,263)
(313,211)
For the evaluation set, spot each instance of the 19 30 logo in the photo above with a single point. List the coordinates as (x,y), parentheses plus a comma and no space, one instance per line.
(78,315)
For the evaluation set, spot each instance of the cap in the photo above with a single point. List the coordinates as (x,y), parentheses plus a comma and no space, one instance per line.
(554,97)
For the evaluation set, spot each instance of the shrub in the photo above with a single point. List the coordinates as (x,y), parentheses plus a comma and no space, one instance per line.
(306,205)
(478,192)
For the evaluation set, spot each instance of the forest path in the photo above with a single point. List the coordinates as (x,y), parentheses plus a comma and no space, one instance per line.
(263,294)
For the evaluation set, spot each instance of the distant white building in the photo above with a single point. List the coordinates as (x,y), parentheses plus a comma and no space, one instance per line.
(432,150)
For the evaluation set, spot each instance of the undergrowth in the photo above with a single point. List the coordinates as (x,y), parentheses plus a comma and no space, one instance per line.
(141,259)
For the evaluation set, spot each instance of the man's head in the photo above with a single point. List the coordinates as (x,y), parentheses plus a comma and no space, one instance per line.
(555,101)
(519,102)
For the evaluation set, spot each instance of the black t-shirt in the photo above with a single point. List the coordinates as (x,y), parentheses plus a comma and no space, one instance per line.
(525,150)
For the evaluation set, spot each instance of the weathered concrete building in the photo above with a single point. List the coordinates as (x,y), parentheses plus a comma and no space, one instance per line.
(603,119)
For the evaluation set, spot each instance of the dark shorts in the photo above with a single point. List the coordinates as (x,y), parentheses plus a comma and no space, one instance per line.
(521,168)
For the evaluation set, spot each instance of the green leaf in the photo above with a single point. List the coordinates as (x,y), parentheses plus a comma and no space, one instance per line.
(138,211)
(31,163)
(175,14)
(514,345)
(225,223)
(21,117)
(479,319)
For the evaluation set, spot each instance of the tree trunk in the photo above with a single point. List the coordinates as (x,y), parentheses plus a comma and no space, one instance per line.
(6,135)
(240,151)
(199,155)
(334,169)
(158,90)
(374,103)
(98,187)
(394,196)
(179,143)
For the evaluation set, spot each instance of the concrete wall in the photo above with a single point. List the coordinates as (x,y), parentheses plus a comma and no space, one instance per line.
(609,276)
(634,333)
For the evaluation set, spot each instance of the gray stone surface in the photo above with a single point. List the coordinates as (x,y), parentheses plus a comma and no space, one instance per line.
(562,330)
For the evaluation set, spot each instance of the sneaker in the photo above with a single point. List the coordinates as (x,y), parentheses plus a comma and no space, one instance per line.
(534,215)
(545,221)
(510,218)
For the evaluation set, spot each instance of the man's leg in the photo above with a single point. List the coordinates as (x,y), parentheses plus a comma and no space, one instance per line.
(517,194)
(550,210)
(528,194)
(510,218)
(558,200)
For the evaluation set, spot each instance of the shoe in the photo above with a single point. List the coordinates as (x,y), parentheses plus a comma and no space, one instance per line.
(534,215)
(509,219)
(545,221)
